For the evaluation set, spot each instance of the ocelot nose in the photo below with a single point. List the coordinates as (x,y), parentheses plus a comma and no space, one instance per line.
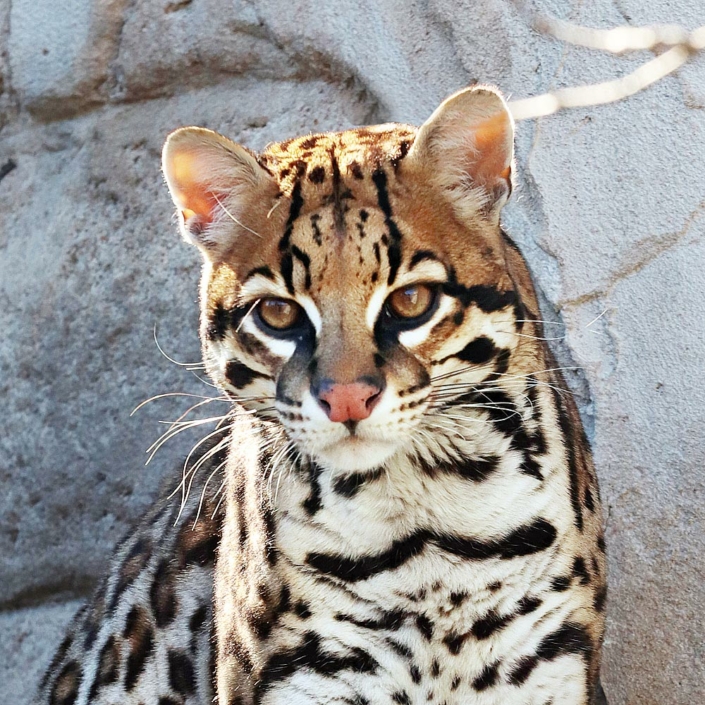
(347,402)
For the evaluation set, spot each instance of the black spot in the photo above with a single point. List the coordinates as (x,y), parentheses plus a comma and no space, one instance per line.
(308,142)
(317,175)
(140,634)
(560,583)
(524,541)
(284,604)
(454,642)
(350,485)
(164,700)
(363,567)
(600,598)
(240,375)
(522,670)
(425,626)
(415,673)
(57,659)
(484,628)
(404,146)
(455,683)
(162,595)
(200,550)
(457,598)
(391,620)
(301,610)
(570,441)
(435,668)
(310,654)
(601,543)
(589,501)
(528,604)
(478,351)
(580,570)
(569,639)
(197,620)
(108,666)
(66,686)
(182,678)
(402,649)
(218,324)
(529,466)
(476,470)
(487,678)
(501,363)
(500,408)
(134,563)
(401,697)
(313,503)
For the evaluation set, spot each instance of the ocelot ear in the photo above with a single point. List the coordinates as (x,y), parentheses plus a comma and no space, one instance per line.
(211,180)
(467,148)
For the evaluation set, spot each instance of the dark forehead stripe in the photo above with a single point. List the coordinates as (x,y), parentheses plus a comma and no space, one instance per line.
(287,265)
(305,261)
(379,178)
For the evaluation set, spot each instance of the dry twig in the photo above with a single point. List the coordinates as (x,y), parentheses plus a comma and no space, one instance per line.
(680,46)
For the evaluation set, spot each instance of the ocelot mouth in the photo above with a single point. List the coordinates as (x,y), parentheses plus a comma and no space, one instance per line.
(356,453)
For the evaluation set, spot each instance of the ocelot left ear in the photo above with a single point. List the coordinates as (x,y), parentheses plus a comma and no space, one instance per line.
(467,147)
(212,180)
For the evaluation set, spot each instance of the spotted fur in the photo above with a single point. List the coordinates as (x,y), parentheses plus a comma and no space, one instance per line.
(446,548)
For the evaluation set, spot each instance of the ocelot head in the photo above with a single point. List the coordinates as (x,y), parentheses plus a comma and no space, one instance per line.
(355,284)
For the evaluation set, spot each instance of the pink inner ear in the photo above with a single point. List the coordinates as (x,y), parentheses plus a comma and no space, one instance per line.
(191,192)
(492,160)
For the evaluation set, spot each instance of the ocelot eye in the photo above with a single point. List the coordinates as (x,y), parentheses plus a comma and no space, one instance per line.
(279,314)
(411,302)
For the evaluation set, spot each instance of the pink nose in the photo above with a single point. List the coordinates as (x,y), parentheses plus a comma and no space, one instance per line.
(349,402)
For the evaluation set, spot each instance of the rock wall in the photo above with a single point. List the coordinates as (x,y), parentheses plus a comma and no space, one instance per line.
(609,210)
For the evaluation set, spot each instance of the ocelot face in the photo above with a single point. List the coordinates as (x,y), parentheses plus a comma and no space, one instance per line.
(355,283)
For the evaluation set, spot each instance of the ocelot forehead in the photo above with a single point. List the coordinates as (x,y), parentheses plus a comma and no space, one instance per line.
(355,215)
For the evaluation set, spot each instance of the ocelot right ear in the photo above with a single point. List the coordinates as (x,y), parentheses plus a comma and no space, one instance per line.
(211,179)
(467,148)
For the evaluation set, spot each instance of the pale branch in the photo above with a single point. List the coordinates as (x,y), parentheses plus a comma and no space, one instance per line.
(683,44)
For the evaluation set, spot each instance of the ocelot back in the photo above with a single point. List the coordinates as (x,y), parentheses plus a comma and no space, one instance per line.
(410,514)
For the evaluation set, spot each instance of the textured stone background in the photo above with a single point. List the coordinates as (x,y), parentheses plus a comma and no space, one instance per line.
(609,211)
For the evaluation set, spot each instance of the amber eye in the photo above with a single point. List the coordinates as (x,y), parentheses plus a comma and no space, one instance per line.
(411,301)
(279,314)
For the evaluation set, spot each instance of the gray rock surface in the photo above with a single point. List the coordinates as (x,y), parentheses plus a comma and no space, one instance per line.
(609,209)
